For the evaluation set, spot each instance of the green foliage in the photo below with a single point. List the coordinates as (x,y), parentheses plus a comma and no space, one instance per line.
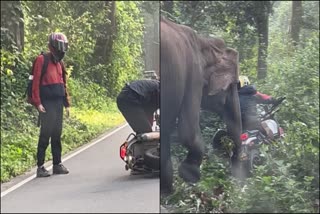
(92,87)
(78,31)
(232,21)
(299,72)
(19,134)
(12,87)
(11,22)
(288,181)
(83,90)
(126,62)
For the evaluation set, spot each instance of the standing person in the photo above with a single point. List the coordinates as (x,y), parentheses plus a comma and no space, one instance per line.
(137,102)
(49,97)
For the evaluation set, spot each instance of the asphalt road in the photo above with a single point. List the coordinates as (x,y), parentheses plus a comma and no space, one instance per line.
(97,182)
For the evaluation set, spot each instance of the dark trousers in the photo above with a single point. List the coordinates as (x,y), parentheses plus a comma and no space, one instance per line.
(252,123)
(51,127)
(138,116)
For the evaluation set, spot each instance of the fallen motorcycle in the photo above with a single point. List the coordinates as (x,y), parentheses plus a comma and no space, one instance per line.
(249,155)
(141,152)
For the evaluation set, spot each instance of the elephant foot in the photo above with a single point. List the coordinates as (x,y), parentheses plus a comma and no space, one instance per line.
(234,161)
(189,172)
(166,191)
(238,169)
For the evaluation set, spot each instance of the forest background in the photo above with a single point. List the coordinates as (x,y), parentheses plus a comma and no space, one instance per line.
(278,45)
(110,43)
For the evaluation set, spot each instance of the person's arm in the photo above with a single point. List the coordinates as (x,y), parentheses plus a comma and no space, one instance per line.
(264,98)
(66,99)
(36,83)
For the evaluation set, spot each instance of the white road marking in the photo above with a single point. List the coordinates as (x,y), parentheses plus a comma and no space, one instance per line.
(16,186)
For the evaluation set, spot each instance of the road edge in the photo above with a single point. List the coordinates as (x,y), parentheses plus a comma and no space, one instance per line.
(20,180)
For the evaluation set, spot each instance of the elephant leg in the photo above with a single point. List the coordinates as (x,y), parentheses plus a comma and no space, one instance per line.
(168,113)
(166,175)
(190,136)
(232,132)
(232,117)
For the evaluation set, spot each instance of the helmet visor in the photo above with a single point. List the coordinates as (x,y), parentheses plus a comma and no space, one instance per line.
(60,45)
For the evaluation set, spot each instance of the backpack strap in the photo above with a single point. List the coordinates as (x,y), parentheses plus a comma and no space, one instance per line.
(44,66)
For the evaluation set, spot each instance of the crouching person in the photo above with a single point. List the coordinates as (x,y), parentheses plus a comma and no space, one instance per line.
(137,102)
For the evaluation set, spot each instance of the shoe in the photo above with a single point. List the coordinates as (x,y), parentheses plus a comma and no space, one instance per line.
(59,169)
(42,172)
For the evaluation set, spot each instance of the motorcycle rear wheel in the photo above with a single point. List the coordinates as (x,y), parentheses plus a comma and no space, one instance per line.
(152,158)
(255,159)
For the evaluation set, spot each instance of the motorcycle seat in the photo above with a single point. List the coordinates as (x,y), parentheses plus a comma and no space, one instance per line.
(253,132)
(150,136)
(270,125)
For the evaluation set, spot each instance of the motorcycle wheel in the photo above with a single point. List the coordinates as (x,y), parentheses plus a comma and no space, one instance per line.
(216,140)
(254,159)
(152,158)
(247,166)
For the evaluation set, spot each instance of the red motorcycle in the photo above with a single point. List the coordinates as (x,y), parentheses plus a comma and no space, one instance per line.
(252,139)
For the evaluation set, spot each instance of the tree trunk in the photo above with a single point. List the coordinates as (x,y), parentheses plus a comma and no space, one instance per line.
(263,30)
(148,40)
(296,21)
(168,6)
(12,20)
(151,41)
(156,43)
(103,47)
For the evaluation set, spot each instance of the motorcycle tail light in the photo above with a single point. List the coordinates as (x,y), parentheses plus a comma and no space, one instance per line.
(244,136)
(123,151)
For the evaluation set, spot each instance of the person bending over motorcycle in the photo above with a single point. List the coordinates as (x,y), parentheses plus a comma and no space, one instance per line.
(137,101)
(249,98)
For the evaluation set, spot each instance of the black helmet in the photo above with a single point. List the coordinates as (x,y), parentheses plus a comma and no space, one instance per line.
(58,41)
(58,45)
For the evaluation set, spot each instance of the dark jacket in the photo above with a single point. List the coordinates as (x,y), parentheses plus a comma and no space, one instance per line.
(147,91)
(249,98)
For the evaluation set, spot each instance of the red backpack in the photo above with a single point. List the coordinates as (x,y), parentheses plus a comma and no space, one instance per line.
(29,85)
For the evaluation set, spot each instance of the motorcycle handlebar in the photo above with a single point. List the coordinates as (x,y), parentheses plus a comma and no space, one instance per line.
(278,102)
(281,99)
(270,112)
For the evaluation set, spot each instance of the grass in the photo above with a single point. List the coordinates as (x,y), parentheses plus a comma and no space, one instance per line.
(274,187)
(19,143)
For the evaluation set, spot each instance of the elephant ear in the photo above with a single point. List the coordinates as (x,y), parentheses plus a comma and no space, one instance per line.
(223,73)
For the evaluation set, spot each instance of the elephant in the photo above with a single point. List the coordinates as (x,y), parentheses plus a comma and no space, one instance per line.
(191,64)
(220,94)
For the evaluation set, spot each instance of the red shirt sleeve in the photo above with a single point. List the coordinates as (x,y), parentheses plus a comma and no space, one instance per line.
(36,80)
(263,96)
